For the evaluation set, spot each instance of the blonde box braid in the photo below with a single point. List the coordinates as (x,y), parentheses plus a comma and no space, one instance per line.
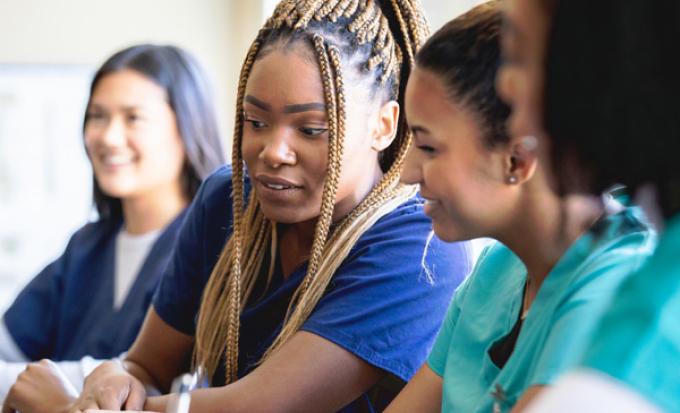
(241,260)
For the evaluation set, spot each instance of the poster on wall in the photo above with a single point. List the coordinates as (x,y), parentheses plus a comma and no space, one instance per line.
(45,178)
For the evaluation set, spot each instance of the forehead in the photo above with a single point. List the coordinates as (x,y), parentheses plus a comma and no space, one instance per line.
(430,107)
(426,95)
(285,76)
(127,86)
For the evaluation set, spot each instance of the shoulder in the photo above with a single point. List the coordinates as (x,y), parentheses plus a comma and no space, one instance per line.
(496,255)
(619,243)
(628,228)
(616,247)
(95,232)
(217,186)
(402,243)
(214,198)
(496,264)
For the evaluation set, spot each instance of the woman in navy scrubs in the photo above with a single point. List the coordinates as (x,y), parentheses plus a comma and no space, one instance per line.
(151,135)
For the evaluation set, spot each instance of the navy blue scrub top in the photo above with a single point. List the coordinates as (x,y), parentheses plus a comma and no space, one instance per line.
(380,304)
(66,312)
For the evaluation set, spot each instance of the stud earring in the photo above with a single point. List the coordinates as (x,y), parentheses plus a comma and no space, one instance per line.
(512,179)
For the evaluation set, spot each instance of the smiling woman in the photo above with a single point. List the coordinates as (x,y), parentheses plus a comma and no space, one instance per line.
(148,153)
(132,139)
(532,300)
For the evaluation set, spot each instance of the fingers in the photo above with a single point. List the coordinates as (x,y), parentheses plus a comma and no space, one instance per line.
(159,403)
(8,404)
(111,398)
(136,397)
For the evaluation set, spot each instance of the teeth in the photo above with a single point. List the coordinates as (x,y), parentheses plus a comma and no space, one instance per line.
(277,186)
(116,160)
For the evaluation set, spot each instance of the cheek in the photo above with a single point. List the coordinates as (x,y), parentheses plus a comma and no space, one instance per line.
(90,138)
(460,181)
(314,160)
(160,147)
(249,150)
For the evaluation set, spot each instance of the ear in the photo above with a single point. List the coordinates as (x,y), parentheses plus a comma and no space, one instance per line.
(386,128)
(522,160)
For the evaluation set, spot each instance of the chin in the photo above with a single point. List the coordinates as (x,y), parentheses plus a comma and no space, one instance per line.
(447,234)
(115,190)
(286,215)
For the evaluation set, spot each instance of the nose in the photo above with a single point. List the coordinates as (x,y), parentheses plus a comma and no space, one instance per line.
(411,169)
(112,134)
(277,150)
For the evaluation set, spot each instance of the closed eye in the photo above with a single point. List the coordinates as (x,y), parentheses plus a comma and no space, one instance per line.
(312,132)
(426,148)
(256,124)
(133,117)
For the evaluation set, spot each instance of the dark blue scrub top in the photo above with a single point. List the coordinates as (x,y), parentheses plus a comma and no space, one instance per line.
(379,305)
(66,312)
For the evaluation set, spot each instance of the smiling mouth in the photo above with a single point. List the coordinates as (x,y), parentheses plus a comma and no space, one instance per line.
(279,187)
(430,206)
(116,160)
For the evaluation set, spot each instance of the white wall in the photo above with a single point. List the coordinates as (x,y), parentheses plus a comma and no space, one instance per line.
(441,11)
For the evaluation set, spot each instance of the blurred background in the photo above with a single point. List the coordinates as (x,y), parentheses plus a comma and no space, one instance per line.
(49,50)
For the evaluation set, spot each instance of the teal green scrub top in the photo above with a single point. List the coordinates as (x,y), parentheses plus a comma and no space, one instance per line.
(638,341)
(557,328)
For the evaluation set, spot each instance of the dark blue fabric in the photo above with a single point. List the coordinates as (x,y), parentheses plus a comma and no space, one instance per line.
(66,312)
(379,305)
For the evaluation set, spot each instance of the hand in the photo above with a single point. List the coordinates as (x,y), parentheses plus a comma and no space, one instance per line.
(110,387)
(41,388)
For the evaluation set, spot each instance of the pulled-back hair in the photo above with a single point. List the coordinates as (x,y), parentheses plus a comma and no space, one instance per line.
(378,38)
(612,90)
(190,99)
(465,55)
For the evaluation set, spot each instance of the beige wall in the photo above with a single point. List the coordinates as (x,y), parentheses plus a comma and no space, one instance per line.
(88,31)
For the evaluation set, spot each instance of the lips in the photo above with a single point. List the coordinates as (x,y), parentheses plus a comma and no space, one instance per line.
(430,205)
(276,183)
(274,190)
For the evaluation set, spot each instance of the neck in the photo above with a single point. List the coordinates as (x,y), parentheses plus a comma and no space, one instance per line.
(152,212)
(545,228)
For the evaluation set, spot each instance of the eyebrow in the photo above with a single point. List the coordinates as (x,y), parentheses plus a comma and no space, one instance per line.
(127,108)
(304,107)
(416,130)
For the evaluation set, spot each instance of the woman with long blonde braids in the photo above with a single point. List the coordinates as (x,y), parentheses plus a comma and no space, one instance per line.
(301,280)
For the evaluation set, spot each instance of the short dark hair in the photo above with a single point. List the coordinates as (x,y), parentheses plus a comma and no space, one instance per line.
(189,96)
(612,88)
(465,55)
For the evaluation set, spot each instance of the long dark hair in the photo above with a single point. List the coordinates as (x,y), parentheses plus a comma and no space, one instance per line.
(189,96)
(612,88)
